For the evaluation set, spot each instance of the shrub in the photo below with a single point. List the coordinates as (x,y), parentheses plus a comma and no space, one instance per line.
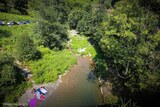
(14,17)
(111,100)
(52,64)
(54,36)
(25,48)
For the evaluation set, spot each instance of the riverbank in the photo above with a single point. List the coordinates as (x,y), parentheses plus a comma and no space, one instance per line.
(25,98)
(77,80)
(51,87)
(105,88)
(79,87)
(82,66)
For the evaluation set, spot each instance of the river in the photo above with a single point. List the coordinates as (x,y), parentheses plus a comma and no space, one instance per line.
(78,88)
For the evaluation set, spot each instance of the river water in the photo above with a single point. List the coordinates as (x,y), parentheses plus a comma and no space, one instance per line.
(79,88)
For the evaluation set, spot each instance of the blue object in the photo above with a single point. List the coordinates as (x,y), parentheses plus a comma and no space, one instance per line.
(39,90)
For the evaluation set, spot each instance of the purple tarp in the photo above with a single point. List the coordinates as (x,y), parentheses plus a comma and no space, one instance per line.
(32,102)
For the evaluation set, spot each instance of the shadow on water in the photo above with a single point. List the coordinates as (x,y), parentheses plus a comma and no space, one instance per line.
(91,77)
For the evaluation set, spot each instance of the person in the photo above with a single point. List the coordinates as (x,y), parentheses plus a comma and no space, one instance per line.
(42,97)
(33,90)
(38,95)
(43,90)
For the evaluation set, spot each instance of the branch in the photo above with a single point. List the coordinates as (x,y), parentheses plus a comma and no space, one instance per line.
(118,74)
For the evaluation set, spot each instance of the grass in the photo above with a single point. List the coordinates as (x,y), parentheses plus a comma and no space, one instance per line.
(9,43)
(81,43)
(14,17)
(8,37)
(51,65)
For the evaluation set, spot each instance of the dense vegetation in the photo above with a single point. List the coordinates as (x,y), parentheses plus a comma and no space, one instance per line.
(122,36)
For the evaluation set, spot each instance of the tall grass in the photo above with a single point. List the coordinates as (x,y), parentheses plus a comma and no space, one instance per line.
(14,17)
(51,65)
(81,43)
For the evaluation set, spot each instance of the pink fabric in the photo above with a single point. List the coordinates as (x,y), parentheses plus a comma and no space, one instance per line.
(32,102)
(42,97)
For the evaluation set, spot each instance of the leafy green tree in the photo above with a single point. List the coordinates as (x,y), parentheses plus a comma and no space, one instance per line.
(85,24)
(52,10)
(54,35)
(90,23)
(8,74)
(8,4)
(7,70)
(25,48)
(74,17)
(129,44)
(21,6)
(11,79)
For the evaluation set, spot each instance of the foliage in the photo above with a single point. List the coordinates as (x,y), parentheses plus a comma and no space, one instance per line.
(14,6)
(52,10)
(10,79)
(7,70)
(127,36)
(25,48)
(81,43)
(90,23)
(80,4)
(128,43)
(13,93)
(4,33)
(51,65)
(111,100)
(74,17)
(107,3)
(54,35)
(13,32)
(14,17)
(128,103)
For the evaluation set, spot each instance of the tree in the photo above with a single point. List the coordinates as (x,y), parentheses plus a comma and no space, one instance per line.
(21,6)
(25,48)
(54,35)
(7,70)
(90,23)
(74,17)
(52,10)
(129,45)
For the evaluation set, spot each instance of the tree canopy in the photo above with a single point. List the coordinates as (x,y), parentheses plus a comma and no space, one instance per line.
(25,48)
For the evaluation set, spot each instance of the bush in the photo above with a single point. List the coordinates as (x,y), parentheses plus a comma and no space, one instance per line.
(14,17)
(74,17)
(25,48)
(12,82)
(111,100)
(51,65)
(54,36)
